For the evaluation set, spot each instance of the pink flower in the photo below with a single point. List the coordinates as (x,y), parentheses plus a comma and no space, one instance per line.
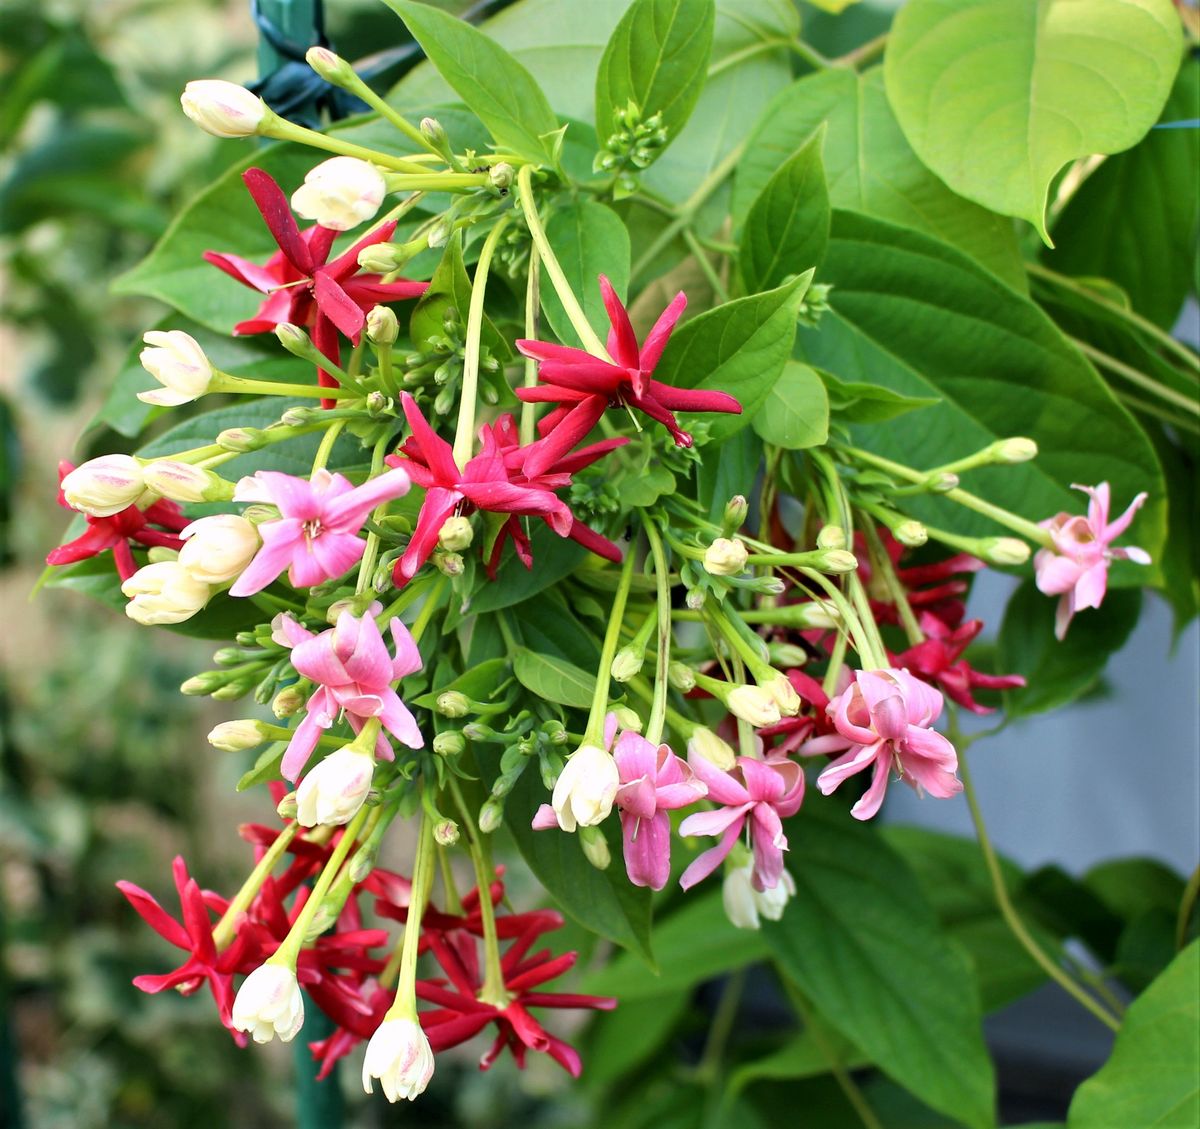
(762,793)
(884,719)
(654,781)
(351,664)
(316,538)
(1077,567)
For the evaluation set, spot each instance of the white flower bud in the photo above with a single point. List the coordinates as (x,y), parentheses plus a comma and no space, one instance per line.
(736,510)
(224,109)
(491,816)
(786,654)
(104,486)
(234,736)
(383,327)
(753,704)
(456,534)
(268,1004)
(287,702)
(340,193)
(681,677)
(182,482)
(911,534)
(445,832)
(333,791)
(737,896)
(329,65)
(217,549)
(627,718)
(595,847)
(1004,550)
(784,694)
(712,748)
(449,744)
(398,1055)
(583,795)
(177,362)
(380,258)
(726,557)
(501,175)
(627,664)
(164,592)
(831,537)
(1015,450)
(771,903)
(837,561)
(452,703)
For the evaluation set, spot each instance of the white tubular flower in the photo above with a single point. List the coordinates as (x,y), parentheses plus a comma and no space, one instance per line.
(332,792)
(223,109)
(164,592)
(771,903)
(398,1055)
(340,193)
(177,362)
(104,486)
(583,795)
(712,748)
(268,1004)
(726,557)
(744,905)
(217,549)
(754,704)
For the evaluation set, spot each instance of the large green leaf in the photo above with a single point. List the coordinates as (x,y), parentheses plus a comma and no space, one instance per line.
(589,240)
(864,946)
(921,318)
(1134,220)
(739,348)
(553,679)
(996,96)
(1151,1078)
(1058,672)
(869,166)
(657,58)
(787,228)
(553,558)
(501,92)
(795,413)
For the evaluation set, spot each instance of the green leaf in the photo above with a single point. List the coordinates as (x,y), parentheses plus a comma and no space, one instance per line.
(863,945)
(1059,672)
(501,92)
(1134,219)
(589,240)
(624,1040)
(804,1056)
(480,682)
(1150,1079)
(553,558)
(739,348)
(1063,80)
(869,166)
(1132,886)
(857,402)
(921,318)
(788,226)
(657,59)
(702,944)
(450,288)
(553,679)
(719,479)
(266,767)
(795,413)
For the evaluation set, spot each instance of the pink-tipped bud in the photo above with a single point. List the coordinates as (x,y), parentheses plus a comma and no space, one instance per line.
(104,486)
(224,109)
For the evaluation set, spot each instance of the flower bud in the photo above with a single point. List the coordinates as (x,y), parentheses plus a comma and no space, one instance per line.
(737,896)
(378,404)
(398,1055)
(288,701)
(491,816)
(333,791)
(501,175)
(177,362)
(595,847)
(449,744)
(329,65)
(753,704)
(200,685)
(224,109)
(449,564)
(736,510)
(681,677)
(340,193)
(445,833)
(831,537)
(726,557)
(1015,450)
(627,719)
(433,131)
(380,258)
(583,795)
(451,703)
(438,235)
(786,654)
(1004,550)
(911,534)
(695,599)
(269,1003)
(293,339)
(627,663)
(784,694)
(104,486)
(217,549)
(256,515)
(836,561)
(286,808)
(383,327)
(182,482)
(942,482)
(456,534)
(164,593)
(235,736)
(712,748)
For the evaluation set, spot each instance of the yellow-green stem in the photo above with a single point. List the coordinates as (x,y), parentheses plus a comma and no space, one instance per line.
(594,735)
(532,319)
(327,441)
(662,581)
(226,928)
(405,1004)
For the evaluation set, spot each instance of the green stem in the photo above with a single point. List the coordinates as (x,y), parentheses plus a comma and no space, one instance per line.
(706,268)
(658,704)
(367,565)
(437,182)
(226,928)
(427,610)
(811,55)
(883,567)
(405,1004)
(594,734)
(283,130)
(464,435)
(1012,918)
(709,1068)
(865,53)
(863,643)
(1138,378)
(748,52)
(1152,409)
(532,317)
(240,386)
(1186,907)
(327,441)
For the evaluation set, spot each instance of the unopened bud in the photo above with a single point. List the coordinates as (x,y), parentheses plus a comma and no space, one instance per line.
(501,175)
(1004,550)
(726,557)
(433,132)
(287,807)
(627,718)
(380,258)
(456,534)
(334,612)
(287,702)
(445,832)
(177,362)
(736,510)
(695,599)
(104,486)
(627,663)
(595,847)
(754,704)
(330,66)
(383,327)
(300,416)
(224,109)
(256,515)
(911,534)
(449,744)
(378,404)
(449,564)
(831,537)
(242,439)
(555,733)
(293,339)
(438,234)
(200,685)
(713,748)
(836,561)
(182,482)
(942,483)
(681,677)
(786,654)
(1015,450)
(451,703)
(491,816)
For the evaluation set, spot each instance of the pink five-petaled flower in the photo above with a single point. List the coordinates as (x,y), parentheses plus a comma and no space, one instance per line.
(1076,569)
(583,386)
(117,530)
(485,483)
(354,672)
(884,720)
(316,537)
(302,287)
(654,781)
(761,792)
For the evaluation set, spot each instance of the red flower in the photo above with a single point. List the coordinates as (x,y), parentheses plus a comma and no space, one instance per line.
(301,286)
(488,483)
(583,386)
(116,531)
(937,661)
